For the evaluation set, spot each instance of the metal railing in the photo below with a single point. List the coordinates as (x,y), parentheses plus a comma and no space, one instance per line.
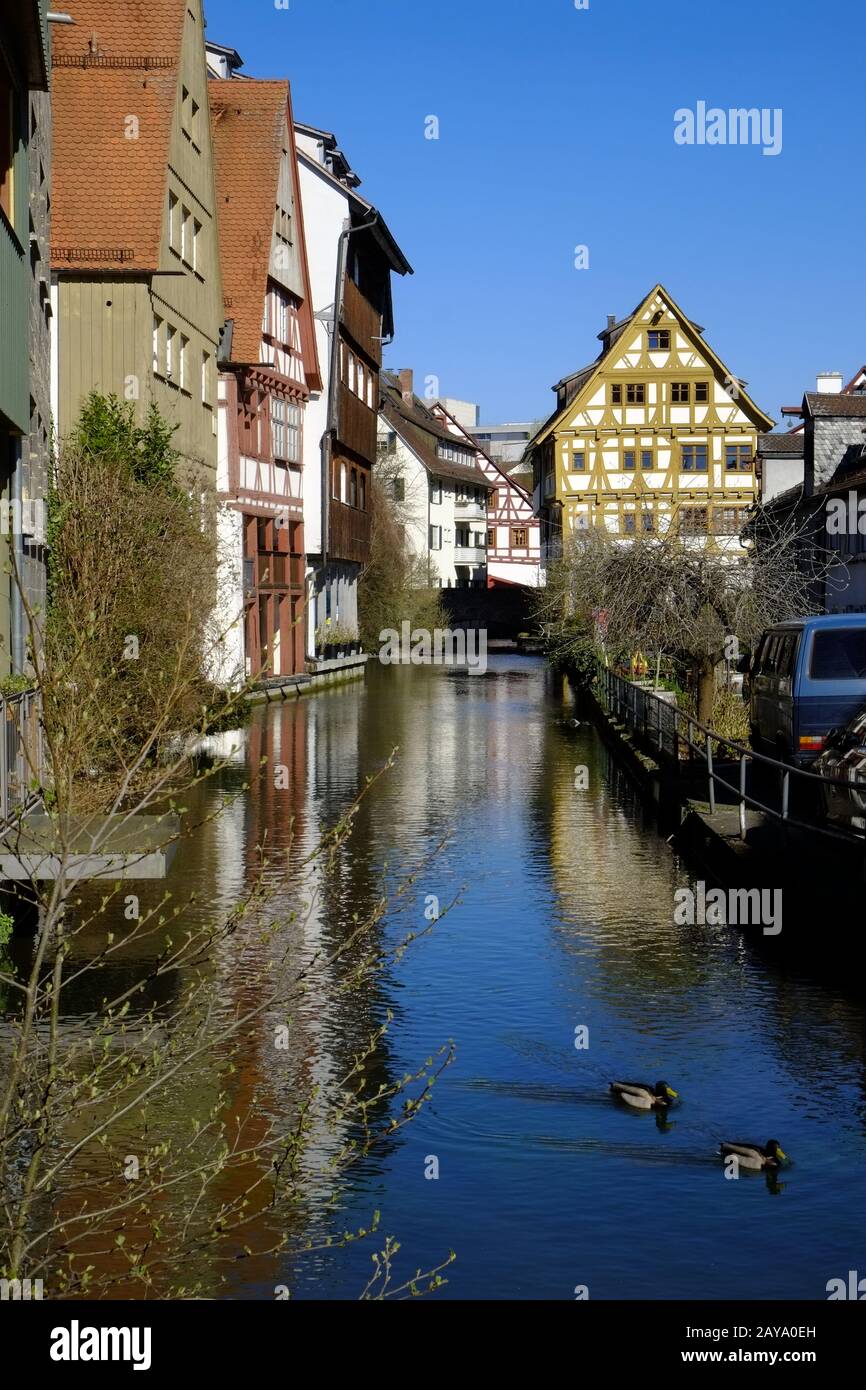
(677,735)
(21,753)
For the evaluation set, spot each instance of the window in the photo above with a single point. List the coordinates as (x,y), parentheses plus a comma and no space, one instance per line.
(293,432)
(635,393)
(702,392)
(205,378)
(344,481)
(693,521)
(491,538)
(173,228)
(435,489)
(353,487)
(461,536)
(278,427)
(628,523)
(628,460)
(185,235)
(284,332)
(578,462)
(729,521)
(184,364)
(170,352)
(283,221)
(435,537)
(659,340)
(839,655)
(616,395)
(8,102)
(738,458)
(647,460)
(453,452)
(157,360)
(285,430)
(362,490)
(648,522)
(519,537)
(196,246)
(398,488)
(184,112)
(194,121)
(680,392)
(694,458)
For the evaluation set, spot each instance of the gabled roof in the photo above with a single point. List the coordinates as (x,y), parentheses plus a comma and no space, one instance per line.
(587,375)
(471,440)
(792,444)
(421,432)
(856,382)
(108,191)
(249,121)
(825,405)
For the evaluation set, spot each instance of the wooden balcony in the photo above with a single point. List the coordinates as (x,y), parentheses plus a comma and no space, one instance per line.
(349,533)
(357,426)
(362,321)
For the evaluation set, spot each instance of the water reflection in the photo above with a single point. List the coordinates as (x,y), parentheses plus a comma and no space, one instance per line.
(564,919)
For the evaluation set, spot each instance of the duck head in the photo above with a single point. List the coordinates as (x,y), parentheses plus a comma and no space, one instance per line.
(665,1093)
(775,1151)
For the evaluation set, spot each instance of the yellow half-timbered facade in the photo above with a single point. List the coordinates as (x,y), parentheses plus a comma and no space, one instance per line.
(656,433)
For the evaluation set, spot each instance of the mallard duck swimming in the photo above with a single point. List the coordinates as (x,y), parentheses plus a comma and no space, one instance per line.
(641,1096)
(753,1156)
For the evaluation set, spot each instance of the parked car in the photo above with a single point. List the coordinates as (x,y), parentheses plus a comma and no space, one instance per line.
(806,677)
(844,758)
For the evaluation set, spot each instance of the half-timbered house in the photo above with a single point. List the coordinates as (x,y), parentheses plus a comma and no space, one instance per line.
(268,367)
(655,433)
(513,531)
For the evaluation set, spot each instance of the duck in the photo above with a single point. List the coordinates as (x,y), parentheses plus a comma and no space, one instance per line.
(754,1156)
(641,1096)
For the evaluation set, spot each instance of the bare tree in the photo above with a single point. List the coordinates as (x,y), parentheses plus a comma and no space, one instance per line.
(694,602)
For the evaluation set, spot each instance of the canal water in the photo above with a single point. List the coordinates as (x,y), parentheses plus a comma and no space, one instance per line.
(564,920)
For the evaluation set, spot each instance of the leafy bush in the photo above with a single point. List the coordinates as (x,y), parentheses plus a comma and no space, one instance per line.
(131,591)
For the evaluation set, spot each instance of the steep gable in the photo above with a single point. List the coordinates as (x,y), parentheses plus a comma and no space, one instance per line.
(252,126)
(626,351)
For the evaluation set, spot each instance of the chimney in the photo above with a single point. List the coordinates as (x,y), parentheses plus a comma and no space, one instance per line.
(829,383)
(406,377)
(611,322)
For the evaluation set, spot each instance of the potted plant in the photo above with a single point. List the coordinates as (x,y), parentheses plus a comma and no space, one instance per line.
(324,641)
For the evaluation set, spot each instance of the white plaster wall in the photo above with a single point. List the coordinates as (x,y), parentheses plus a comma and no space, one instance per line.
(226,661)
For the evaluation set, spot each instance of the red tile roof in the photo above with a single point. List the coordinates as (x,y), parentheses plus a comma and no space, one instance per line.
(118,61)
(248,120)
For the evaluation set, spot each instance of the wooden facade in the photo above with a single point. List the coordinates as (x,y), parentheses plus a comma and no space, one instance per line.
(366,299)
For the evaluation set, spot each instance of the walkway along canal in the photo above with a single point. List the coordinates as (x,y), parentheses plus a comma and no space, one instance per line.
(522,1164)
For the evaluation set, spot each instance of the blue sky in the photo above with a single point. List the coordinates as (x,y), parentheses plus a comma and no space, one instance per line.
(556,130)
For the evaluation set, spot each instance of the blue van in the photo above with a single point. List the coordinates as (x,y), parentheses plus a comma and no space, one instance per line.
(806,677)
